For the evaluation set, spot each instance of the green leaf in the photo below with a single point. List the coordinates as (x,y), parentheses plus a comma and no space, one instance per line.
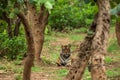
(11,15)
(16,10)
(48,5)
(21,1)
(115,10)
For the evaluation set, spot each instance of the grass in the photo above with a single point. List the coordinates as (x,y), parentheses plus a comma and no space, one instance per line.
(51,53)
(49,38)
(113,47)
(112,29)
(18,77)
(62,72)
(86,75)
(36,69)
(77,37)
(81,30)
(109,60)
(113,72)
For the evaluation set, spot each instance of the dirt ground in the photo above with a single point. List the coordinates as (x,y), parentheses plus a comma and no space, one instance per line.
(50,70)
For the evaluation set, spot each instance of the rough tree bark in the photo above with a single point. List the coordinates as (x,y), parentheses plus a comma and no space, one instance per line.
(100,41)
(34,26)
(30,49)
(38,22)
(117,29)
(93,46)
(77,69)
(17,26)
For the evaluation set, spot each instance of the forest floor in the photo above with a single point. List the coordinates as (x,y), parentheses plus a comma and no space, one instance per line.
(12,70)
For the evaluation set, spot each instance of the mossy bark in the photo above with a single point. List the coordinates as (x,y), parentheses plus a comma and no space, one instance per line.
(94,46)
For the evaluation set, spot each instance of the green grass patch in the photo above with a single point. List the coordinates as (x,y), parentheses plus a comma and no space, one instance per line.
(17,70)
(54,58)
(36,69)
(49,38)
(76,37)
(113,73)
(113,47)
(17,62)
(80,30)
(60,34)
(86,75)
(18,77)
(108,59)
(62,72)
(112,29)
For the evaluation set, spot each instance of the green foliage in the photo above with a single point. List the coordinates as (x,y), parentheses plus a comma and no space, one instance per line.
(71,14)
(36,69)
(81,30)
(45,60)
(62,72)
(18,77)
(86,75)
(76,37)
(113,72)
(15,48)
(3,25)
(113,47)
(115,10)
(108,60)
(47,3)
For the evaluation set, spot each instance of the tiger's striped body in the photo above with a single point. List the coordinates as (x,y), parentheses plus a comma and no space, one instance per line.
(64,59)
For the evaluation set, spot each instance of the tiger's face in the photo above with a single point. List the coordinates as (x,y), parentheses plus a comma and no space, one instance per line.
(66,50)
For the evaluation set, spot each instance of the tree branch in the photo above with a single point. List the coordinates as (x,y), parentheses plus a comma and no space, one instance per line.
(45,17)
(41,14)
(23,19)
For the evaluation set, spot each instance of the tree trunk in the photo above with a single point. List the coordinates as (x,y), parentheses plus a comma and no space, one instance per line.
(94,45)
(100,41)
(38,22)
(117,29)
(77,69)
(17,26)
(9,30)
(30,50)
(9,27)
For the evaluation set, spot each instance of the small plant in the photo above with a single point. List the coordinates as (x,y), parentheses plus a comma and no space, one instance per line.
(108,59)
(77,37)
(62,72)
(18,77)
(113,47)
(114,72)
(86,76)
(81,30)
(14,48)
(70,16)
(36,69)
(17,70)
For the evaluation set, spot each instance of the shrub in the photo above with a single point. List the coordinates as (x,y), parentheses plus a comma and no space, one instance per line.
(13,48)
(69,14)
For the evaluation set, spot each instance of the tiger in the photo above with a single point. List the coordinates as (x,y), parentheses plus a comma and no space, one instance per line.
(64,57)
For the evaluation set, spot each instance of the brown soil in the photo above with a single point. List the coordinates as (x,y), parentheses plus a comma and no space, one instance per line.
(6,76)
(52,68)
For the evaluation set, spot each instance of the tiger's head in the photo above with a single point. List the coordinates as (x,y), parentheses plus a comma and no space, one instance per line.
(66,50)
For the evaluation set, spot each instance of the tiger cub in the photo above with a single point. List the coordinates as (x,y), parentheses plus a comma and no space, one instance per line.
(64,59)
